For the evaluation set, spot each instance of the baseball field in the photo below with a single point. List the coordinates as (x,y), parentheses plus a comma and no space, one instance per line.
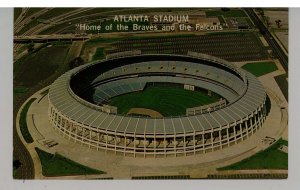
(168,101)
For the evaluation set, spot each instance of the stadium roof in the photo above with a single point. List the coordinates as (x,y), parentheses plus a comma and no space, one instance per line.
(240,106)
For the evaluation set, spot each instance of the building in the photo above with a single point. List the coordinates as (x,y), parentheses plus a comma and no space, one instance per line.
(78,114)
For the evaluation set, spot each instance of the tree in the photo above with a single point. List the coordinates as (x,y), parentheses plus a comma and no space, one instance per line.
(76,62)
(261,13)
(267,20)
(225,9)
(30,47)
(278,23)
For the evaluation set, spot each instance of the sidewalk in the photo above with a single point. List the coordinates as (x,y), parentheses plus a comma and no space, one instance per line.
(35,135)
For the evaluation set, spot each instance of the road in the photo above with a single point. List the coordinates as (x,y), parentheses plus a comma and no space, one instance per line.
(49,38)
(269,38)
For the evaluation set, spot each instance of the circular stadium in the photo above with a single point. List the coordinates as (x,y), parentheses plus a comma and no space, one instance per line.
(157,105)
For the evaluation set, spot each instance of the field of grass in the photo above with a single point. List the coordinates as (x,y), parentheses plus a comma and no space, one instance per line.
(23,121)
(16,165)
(271,158)
(230,13)
(282,81)
(169,101)
(99,54)
(260,68)
(36,67)
(58,165)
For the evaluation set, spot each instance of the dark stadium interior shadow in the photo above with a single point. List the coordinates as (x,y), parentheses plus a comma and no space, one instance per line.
(268,105)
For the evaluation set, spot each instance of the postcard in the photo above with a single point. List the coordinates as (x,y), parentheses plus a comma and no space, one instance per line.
(150,93)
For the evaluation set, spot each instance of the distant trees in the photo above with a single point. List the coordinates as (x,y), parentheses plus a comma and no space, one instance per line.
(225,9)
(267,20)
(30,47)
(261,12)
(278,23)
(76,62)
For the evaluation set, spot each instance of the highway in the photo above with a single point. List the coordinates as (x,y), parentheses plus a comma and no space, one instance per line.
(49,38)
(277,51)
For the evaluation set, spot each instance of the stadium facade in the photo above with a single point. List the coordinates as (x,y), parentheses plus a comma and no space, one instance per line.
(78,107)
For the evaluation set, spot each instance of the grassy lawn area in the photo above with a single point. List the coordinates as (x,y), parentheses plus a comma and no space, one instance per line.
(23,123)
(38,66)
(260,68)
(16,165)
(44,92)
(99,54)
(282,82)
(18,64)
(271,158)
(58,165)
(230,13)
(169,101)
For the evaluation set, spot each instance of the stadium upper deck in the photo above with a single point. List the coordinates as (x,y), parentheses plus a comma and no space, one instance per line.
(72,112)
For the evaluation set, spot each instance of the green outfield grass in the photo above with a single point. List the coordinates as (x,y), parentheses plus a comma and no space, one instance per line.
(58,165)
(23,121)
(169,101)
(271,158)
(260,68)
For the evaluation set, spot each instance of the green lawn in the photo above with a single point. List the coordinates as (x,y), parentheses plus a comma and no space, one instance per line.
(169,101)
(260,68)
(230,13)
(271,158)
(23,122)
(58,165)
(39,65)
(99,54)
(16,165)
(45,92)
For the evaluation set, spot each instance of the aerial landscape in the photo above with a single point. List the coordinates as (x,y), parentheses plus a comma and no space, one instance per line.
(150,93)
